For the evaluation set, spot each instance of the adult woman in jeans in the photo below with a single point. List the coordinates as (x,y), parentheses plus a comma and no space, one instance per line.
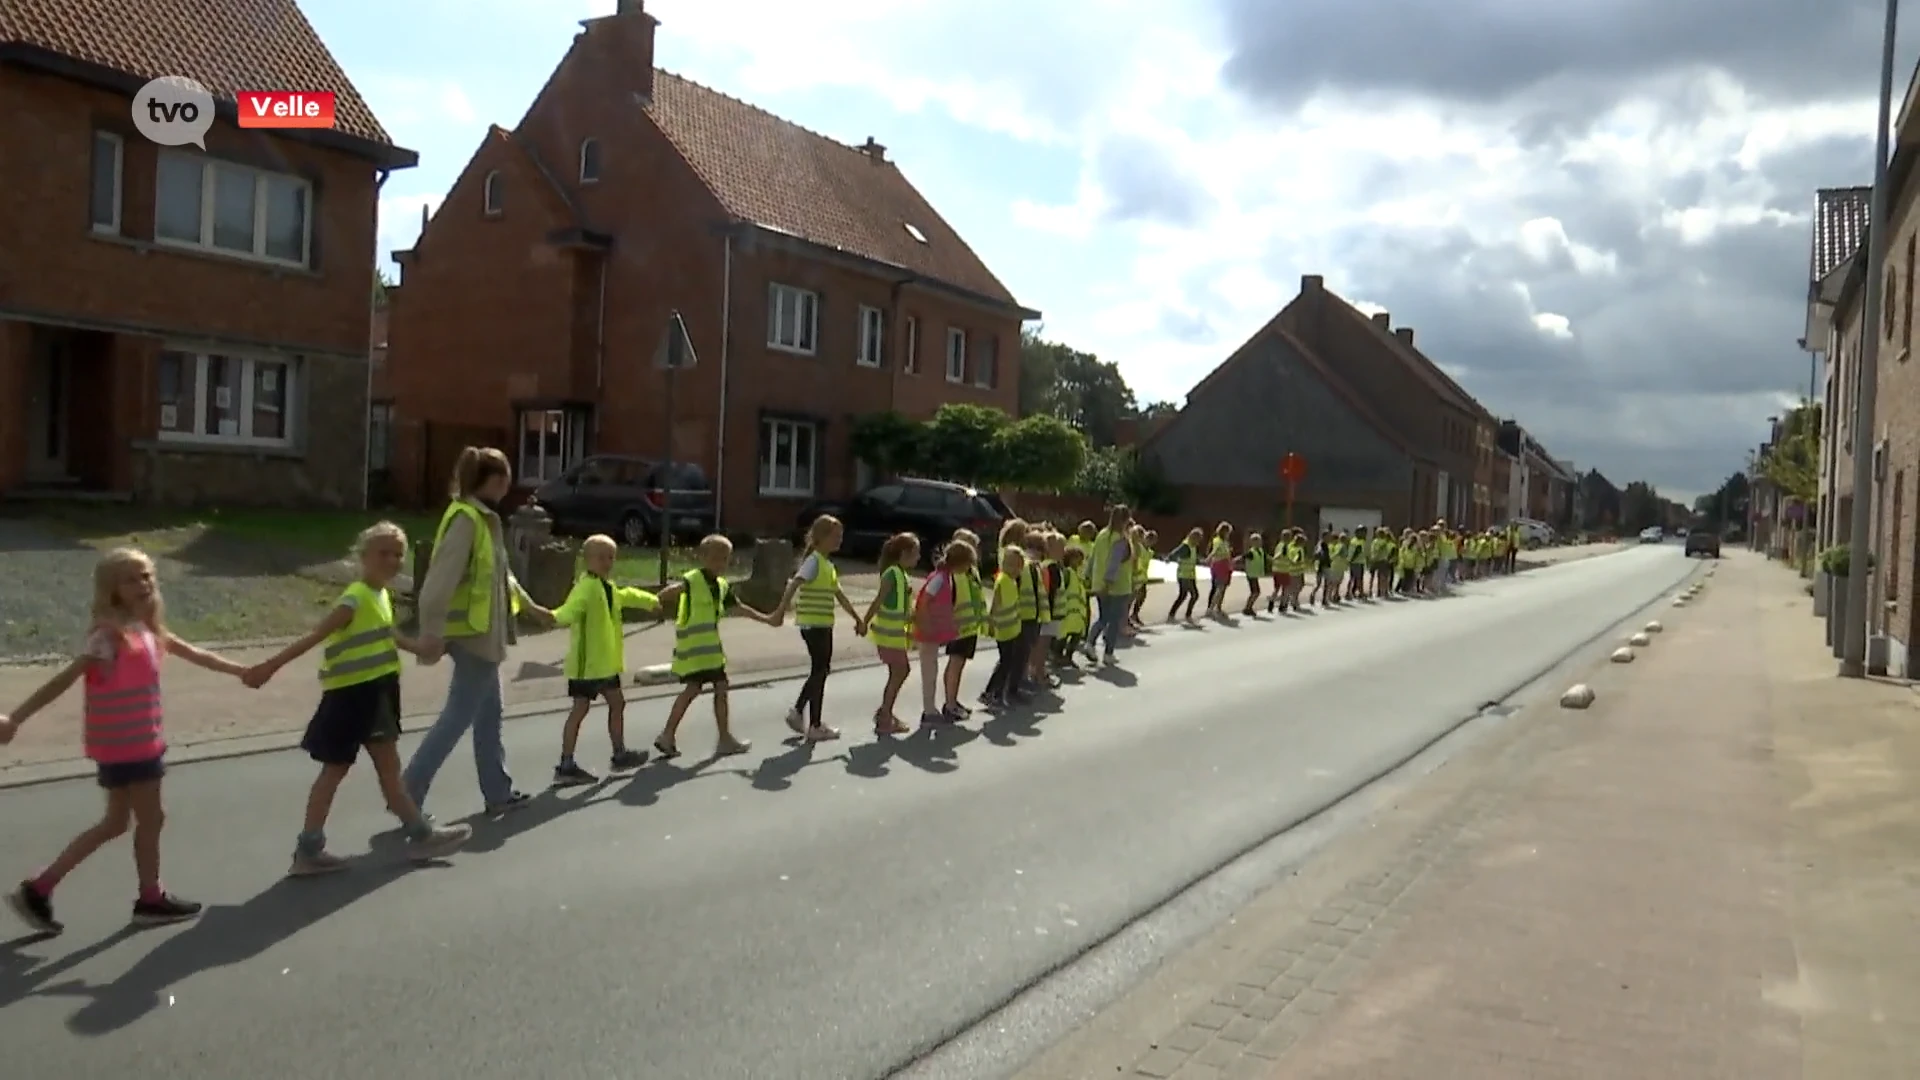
(467,606)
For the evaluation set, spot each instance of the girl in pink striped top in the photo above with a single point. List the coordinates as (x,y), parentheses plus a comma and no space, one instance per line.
(120,666)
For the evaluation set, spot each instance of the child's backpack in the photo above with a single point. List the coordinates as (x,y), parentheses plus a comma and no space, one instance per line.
(933,614)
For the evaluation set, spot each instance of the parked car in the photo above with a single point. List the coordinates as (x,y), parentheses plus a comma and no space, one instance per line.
(1652,534)
(1533,533)
(628,498)
(930,509)
(1704,542)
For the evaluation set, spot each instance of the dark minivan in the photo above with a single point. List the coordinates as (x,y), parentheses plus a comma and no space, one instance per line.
(627,497)
(930,509)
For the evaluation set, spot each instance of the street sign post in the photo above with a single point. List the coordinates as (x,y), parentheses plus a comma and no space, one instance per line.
(1293,469)
(675,352)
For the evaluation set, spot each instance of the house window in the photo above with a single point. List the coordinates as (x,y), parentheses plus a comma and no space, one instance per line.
(551,441)
(216,205)
(380,436)
(491,192)
(986,362)
(589,160)
(226,399)
(912,364)
(105,196)
(956,354)
(873,337)
(792,319)
(789,452)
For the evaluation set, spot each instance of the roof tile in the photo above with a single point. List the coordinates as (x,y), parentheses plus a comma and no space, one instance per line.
(227,46)
(1839,227)
(780,176)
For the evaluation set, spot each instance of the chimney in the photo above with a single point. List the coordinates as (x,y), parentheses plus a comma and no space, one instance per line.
(1312,283)
(1383,320)
(1405,334)
(626,36)
(874,150)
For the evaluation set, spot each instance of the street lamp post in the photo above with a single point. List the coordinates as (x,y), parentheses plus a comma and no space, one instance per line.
(1853,663)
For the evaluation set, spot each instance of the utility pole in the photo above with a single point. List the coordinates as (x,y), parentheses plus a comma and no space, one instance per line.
(1853,663)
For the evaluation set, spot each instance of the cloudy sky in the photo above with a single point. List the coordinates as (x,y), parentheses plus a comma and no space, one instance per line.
(1594,214)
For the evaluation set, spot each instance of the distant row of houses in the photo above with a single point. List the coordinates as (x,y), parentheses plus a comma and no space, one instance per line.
(194,327)
(1835,332)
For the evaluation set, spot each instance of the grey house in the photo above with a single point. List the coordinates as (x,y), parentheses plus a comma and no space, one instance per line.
(1273,397)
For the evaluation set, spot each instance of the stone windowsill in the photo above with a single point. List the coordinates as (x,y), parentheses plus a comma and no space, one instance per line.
(183,446)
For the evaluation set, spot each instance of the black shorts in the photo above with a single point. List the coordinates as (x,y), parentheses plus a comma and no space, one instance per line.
(591,689)
(963,647)
(352,717)
(121,774)
(714,677)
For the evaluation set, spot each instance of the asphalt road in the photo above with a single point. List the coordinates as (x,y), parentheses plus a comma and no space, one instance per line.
(814,914)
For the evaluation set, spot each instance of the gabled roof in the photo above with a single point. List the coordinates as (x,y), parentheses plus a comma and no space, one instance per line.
(1410,357)
(1839,228)
(1325,372)
(778,175)
(227,46)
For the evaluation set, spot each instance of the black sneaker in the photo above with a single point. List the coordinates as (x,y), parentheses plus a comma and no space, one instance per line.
(570,774)
(627,759)
(514,801)
(167,909)
(34,909)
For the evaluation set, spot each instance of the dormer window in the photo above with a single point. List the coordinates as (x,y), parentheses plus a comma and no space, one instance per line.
(490,192)
(589,160)
(914,231)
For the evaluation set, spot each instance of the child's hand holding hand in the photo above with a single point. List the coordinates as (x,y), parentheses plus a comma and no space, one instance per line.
(860,628)
(256,676)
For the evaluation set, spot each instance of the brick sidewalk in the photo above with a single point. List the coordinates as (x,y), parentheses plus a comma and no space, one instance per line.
(1707,875)
(206,708)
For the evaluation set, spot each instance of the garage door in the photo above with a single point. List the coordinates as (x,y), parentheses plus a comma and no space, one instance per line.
(1348,520)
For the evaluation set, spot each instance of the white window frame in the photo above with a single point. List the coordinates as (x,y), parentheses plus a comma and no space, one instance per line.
(571,440)
(590,144)
(196,372)
(109,142)
(490,201)
(956,355)
(987,375)
(209,193)
(873,338)
(805,307)
(912,364)
(789,486)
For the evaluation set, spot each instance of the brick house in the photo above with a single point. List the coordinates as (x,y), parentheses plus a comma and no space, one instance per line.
(188,323)
(1839,230)
(1275,395)
(1501,495)
(1441,423)
(816,283)
(1539,487)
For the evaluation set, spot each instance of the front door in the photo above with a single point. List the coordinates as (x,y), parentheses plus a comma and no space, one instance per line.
(49,408)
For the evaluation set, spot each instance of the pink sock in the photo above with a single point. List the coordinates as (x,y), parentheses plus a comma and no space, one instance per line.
(152,894)
(45,882)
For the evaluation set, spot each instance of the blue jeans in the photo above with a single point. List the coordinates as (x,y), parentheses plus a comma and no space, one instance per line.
(1113,615)
(473,701)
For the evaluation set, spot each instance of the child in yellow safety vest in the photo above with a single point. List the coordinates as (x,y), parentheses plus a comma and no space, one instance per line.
(1219,568)
(359,706)
(700,599)
(889,625)
(594,613)
(1254,563)
(1003,625)
(1143,542)
(970,619)
(1186,574)
(1071,607)
(814,595)
(1053,584)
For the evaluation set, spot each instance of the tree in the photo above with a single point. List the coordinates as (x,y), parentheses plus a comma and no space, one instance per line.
(381,283)
(1641,507)
(1792,463)
(1158,409)
(961,444)
(1726,506)
(889,442)
(1039,452)
(1080,388)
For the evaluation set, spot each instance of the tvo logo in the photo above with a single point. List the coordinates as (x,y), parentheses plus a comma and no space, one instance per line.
(174,110)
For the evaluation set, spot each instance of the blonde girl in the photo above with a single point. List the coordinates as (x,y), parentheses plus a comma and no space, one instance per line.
(1003,618)
(467,603)
(936,623)
(888,622)
(814,594)
(1254,563)
(1219,568)
(359,706)
(970,619)
(1186,560)
(1143,543)
(120,664)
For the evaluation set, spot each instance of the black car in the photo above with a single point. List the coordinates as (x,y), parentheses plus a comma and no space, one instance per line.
(628,497)
(930,509)
(1703,542)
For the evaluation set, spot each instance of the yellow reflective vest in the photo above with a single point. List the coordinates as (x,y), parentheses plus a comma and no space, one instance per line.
(1003,622)
(1122,582)
(696,627)
(596,647)
(470,612)
(364,649)
(890,628)
(817,600)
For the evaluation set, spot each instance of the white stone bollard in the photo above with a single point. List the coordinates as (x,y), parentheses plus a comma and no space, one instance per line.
(1578,696)
(1679,601)
(1639,641)
(1622,655)
(1654,627)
